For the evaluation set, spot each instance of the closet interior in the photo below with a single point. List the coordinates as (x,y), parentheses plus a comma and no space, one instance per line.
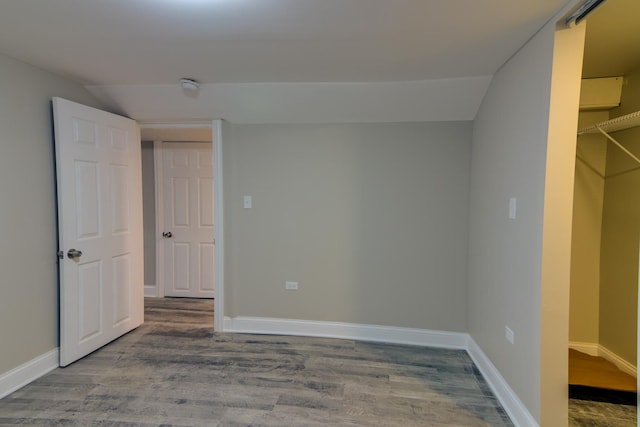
(606,243)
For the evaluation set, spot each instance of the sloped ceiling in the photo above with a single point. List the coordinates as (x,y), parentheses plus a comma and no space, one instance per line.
(276,60)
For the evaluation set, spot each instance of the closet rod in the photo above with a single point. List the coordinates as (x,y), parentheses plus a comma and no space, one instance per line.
(620,146)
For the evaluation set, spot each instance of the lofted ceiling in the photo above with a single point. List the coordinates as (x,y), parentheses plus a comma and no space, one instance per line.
(237,41)
(277,60)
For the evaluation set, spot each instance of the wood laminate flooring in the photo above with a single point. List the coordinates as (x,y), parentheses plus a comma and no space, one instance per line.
(591,409)
(598,372)
(175,371)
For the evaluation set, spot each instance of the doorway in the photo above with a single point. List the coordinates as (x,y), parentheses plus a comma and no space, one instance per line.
(154,137)
(606,222)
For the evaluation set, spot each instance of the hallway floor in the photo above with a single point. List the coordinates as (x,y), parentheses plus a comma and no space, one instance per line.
(586,413)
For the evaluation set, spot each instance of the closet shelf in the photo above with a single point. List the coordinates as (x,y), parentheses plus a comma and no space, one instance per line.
(610,126)
(614,125)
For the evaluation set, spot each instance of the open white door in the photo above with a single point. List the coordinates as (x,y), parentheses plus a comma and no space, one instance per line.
(99,227)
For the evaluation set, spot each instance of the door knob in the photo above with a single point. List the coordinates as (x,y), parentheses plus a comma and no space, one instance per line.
(167,234)
(74,253)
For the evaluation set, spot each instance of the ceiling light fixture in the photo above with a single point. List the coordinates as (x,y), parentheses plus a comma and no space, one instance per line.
(189,84)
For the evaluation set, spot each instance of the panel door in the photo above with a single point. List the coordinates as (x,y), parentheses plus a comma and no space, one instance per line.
(187,177)
(99,187)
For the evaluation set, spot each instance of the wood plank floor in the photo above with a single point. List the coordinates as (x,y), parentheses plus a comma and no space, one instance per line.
(598,372)
(174,371)
(585,370)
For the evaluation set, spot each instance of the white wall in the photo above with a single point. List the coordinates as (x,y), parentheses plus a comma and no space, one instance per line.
(370,219)
(29,283)
(516,136)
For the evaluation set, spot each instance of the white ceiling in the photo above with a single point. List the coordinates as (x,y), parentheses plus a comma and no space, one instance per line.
(102,42)
(298,60)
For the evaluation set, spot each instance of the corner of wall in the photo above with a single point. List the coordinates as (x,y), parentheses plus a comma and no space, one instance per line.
(558,216)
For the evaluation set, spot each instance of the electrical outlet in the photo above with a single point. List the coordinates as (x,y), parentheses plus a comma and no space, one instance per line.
(508,333)
(291,286)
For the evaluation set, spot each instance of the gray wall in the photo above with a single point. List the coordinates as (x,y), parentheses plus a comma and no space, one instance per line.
(524,147)
(508,160)
(370,219)
(29,287)
(149,214)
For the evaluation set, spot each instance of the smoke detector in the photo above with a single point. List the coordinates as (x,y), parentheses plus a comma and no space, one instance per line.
(189,84)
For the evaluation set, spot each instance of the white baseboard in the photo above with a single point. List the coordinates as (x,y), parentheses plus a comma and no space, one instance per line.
(22,375)
(594,349)
(585,347)
(375,333)
(622,364)
(150,291)
(510,401)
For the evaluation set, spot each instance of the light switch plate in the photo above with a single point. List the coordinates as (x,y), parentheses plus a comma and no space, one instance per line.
(512,208)
(247,202)
(509,334)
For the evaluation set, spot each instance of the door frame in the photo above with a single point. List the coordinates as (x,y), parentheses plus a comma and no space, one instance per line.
(174,129)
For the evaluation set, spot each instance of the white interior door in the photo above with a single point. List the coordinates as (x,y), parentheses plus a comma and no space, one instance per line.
(187,187)
(99,226)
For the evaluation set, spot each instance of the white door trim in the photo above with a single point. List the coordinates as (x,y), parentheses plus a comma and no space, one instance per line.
(158,176)
(216,131)
(218,213)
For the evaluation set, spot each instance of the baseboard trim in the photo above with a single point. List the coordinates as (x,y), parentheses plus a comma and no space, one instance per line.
(510,401)
(594,349)
(150,291)
(24,374)
(585,347)
(361,332)
(622,364)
